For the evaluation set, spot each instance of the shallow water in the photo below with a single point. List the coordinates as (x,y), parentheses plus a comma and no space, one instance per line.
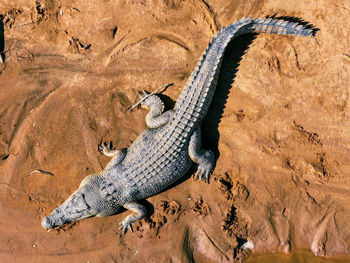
(298,256)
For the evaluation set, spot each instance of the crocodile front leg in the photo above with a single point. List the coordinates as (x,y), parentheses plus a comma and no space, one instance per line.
(155,118)
(204,158)
(139,212)
(108,150)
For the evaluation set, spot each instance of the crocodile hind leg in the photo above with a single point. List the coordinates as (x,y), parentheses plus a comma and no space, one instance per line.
(139,212)
(108,150)
(155,117)
(204,158)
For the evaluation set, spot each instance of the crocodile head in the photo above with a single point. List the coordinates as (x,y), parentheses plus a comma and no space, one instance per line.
(83,203)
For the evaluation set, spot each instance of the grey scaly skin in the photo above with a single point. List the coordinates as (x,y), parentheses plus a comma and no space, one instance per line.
(165,151)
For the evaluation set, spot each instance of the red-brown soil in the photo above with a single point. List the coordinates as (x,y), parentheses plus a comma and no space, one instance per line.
(71,70)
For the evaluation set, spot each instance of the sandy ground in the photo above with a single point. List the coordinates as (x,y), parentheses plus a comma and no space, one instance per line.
(279,124)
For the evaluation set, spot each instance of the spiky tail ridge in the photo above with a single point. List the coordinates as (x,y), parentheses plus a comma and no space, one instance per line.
(273,26)
(195,98)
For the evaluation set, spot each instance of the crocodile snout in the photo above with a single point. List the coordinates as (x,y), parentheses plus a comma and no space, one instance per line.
(47,223)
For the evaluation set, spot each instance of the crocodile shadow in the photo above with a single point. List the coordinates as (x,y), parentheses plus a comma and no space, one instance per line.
(230,64)
(2,39)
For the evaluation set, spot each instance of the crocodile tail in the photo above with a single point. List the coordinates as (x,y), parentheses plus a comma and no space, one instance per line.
(281,27)
(271,26)
(194,101)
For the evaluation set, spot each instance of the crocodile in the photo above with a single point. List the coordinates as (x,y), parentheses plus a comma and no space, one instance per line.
(166,150)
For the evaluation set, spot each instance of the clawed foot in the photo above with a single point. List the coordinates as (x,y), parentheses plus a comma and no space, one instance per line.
(125,226)
(107,148)
(203,171)
(139,212)
(206,168)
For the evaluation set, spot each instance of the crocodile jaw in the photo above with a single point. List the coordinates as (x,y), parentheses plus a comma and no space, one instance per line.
(73,209)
